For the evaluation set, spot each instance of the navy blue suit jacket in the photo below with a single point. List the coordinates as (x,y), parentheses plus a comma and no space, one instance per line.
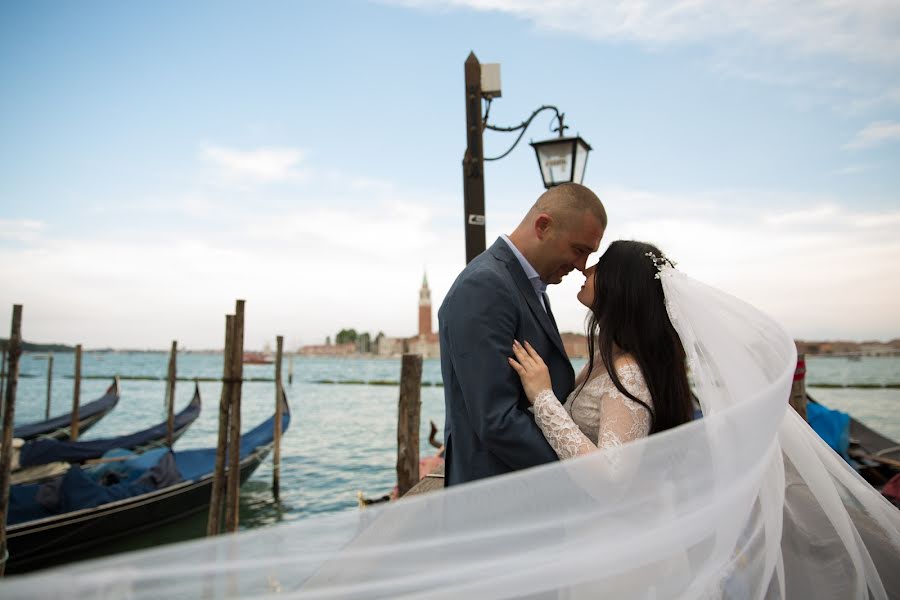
(488,428)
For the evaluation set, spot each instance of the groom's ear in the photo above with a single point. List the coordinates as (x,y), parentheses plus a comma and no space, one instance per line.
(542,225)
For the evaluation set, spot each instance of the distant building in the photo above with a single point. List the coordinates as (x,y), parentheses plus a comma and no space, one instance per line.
(575,344)
(847,348)
(390,346)
(329,350)
(426,343)
(877,349)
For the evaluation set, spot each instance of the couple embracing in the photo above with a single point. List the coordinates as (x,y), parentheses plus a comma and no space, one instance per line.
(512,398)
(747,502)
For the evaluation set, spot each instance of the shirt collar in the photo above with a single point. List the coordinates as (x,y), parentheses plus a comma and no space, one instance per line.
(539,286)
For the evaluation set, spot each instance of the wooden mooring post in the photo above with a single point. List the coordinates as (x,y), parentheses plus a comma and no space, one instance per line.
(9,411)
(218,487)
(408,417)
(49,385)
(2,372)
(170,395)
(798,388)
(279,391)
(291,369)
(233,485)
(76,394)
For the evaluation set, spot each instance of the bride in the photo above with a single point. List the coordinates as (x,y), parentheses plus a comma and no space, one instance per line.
(639,385)
(746,502)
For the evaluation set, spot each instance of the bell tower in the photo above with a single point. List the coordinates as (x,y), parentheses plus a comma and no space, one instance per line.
(424,308)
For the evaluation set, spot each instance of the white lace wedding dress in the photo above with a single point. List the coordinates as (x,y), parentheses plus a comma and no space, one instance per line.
(597,415)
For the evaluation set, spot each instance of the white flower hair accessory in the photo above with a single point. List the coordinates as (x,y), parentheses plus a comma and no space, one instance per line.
(660,262)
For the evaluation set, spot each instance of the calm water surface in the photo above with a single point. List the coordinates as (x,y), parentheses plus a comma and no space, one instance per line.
(342,438)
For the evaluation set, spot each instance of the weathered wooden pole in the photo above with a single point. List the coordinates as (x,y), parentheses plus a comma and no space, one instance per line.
(170,395)
(798,388)
(49,384)
(76,394)
(279,390)
(473,163)
(408,422)
(9,410)
(2,372)
(218,487)
(232,502)
(291,369)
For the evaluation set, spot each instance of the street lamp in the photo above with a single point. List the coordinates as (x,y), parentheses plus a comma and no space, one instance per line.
(560,159)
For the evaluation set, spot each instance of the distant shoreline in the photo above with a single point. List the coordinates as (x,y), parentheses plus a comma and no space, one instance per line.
(819,349)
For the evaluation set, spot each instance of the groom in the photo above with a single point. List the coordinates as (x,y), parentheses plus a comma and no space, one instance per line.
(499,297)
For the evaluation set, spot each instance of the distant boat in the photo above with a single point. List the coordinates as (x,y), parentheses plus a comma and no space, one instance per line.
(36,455)
(60,428)
(101,509)
(258,358)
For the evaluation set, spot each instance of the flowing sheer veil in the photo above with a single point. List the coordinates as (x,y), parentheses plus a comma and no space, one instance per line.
(744,503)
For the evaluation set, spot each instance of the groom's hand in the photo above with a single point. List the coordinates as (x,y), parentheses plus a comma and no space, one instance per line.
(532,371)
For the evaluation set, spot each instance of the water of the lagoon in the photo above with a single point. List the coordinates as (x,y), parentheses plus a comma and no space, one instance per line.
(342,438)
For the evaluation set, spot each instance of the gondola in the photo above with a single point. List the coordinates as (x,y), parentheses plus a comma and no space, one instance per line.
(37,542)
(41,452)
(60,428)
(875,457)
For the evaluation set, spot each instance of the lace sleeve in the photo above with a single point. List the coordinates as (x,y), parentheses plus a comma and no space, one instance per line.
(561,432)
(621,418)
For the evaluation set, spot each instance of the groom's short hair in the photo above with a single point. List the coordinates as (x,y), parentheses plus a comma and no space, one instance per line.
(567,203)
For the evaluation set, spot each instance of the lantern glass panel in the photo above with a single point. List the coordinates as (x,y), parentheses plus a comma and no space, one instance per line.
(555,159)
(581,154)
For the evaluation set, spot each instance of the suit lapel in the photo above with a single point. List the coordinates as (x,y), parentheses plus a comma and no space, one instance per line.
(503,253)
(550,311)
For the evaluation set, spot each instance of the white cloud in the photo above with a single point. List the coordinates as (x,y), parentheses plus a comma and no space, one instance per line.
(265,165)
(305,273)
(874,134)
(818,214)
(857,29)
(21,230)
(854,169)
(889,97)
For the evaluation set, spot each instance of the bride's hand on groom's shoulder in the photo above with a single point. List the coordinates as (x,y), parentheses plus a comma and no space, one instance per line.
(531,369)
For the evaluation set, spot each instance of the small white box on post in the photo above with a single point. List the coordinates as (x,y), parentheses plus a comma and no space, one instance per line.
(490,80)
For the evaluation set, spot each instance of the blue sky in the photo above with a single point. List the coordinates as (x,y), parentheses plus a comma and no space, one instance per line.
(159,160)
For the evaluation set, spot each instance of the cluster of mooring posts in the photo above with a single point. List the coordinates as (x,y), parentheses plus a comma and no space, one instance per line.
(225,494)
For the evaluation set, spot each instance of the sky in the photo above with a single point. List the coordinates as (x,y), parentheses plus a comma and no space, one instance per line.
(160,160)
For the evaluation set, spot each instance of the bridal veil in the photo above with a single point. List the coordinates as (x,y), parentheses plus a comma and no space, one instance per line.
(746,502)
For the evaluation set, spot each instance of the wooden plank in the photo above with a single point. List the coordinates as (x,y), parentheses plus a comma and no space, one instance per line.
(432,482)
(890,462)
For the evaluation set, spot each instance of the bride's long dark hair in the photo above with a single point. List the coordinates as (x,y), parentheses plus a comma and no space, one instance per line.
(629,315)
